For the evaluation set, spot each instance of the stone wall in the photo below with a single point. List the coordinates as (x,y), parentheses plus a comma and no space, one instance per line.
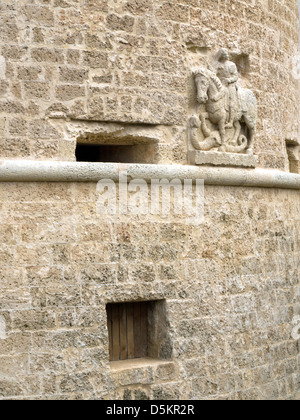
(231,287)
(120,72)
(130,62)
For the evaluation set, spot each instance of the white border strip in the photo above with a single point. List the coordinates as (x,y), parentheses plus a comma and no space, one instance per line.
(52,171)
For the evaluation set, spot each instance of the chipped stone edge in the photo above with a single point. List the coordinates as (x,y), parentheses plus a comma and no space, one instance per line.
(145,362)
(52,171)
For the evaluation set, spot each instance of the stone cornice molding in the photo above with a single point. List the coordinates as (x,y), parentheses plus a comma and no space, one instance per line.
(52,171)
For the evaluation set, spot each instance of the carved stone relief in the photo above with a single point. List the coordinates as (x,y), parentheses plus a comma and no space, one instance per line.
(225,118)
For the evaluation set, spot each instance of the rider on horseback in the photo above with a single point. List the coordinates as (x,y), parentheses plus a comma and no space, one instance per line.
(228,74)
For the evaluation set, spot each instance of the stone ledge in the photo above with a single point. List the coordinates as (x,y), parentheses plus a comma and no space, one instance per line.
(144,371)
(52,171)
(137,363)
(198,157)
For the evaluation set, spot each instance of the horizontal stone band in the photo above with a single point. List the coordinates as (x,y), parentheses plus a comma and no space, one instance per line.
(51,171)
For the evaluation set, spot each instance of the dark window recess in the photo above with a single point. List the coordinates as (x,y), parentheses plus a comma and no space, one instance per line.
(115,153)
(293,156)
(138,329)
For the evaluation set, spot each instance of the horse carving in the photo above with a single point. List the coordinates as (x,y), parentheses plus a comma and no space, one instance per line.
(214,95)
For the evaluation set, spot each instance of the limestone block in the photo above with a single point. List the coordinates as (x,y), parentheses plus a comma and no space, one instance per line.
(197,157)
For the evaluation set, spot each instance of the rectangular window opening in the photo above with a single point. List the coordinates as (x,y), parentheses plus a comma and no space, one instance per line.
(142,153)
(138,330)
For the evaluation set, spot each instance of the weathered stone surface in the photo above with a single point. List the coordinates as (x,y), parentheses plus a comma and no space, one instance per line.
(130,65)
(198,157)
(227,105)
(24,171)
(115,72)
(230,308)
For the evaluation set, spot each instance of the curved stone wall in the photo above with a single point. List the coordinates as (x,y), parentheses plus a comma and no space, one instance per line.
(119,73)
(130,62)
(231,287)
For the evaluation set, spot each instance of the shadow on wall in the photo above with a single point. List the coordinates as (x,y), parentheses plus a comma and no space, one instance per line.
(115,153)
(293,148)
(115,142)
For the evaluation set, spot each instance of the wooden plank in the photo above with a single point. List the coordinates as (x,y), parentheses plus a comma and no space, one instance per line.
(130,331)
(123,332)
(109,327)
(115,332)
(137,330)
(144,329)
